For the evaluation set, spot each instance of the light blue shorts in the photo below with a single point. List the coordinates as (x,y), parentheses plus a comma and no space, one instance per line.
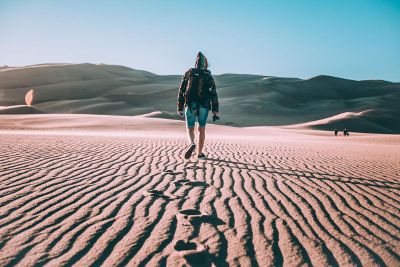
(198,112)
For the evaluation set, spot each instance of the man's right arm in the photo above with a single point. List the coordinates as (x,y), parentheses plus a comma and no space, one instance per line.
(181,93)
(214,96)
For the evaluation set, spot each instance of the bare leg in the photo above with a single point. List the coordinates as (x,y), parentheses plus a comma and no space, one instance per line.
(190,134)
(202,137)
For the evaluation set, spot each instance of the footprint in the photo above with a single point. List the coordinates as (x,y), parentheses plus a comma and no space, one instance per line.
(153,193)
(171,172)
(189,253)
(157,193)
(190,183)
(181,182)
(190,212)
(195,217)
(181,245)
(197,183)
(195,168)
(189,216)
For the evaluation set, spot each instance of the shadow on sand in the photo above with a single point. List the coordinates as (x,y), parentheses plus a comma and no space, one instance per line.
(308,174)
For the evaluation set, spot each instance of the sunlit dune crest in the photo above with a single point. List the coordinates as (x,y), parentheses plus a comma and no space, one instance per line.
(29,97)
(120,90)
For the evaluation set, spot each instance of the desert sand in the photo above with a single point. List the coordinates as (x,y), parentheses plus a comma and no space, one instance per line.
(246,100)
(87,190)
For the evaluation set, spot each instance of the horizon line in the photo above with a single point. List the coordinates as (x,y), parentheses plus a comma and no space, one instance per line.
(174,74)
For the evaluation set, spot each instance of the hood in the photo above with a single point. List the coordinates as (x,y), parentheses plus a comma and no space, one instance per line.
(201,61)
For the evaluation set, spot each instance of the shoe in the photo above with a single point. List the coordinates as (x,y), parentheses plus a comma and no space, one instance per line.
(189,151)
(202,156)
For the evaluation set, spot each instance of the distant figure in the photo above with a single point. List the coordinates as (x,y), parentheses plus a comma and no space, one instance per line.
(197,95)
(345,132)
(336,132)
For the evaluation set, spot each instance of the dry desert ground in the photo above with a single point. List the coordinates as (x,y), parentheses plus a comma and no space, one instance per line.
(115,191)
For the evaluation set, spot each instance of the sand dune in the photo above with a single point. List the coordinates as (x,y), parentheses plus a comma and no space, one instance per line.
(364,121)
(246,100)
(266,196)
(19,109)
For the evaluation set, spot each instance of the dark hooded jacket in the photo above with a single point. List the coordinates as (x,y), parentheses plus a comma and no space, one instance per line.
(201,65)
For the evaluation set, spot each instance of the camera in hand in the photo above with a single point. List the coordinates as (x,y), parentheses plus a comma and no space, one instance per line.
(215,117)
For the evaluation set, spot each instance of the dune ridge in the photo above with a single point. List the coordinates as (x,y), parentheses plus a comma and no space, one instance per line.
(245,100)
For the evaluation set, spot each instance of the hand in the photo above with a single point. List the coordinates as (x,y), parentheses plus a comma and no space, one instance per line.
(180,113)
(215,116)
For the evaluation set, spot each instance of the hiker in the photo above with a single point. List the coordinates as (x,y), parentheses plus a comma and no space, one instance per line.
(345,132)
(197,95)
(336,132)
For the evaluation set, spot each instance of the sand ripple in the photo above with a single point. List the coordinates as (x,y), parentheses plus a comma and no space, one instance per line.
(119,201)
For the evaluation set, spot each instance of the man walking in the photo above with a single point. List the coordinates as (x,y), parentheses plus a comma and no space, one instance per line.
(197,95)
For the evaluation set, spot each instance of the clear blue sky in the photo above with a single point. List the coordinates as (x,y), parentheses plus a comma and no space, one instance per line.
(346,38)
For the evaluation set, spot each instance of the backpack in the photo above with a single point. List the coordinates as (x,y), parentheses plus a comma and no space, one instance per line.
(197,88)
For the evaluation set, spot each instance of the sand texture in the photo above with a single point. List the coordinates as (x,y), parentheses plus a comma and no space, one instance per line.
(266,197)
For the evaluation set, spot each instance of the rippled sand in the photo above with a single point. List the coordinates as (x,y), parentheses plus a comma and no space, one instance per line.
(266,198)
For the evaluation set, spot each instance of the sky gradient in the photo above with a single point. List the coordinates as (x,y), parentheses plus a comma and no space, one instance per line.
(356,39)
